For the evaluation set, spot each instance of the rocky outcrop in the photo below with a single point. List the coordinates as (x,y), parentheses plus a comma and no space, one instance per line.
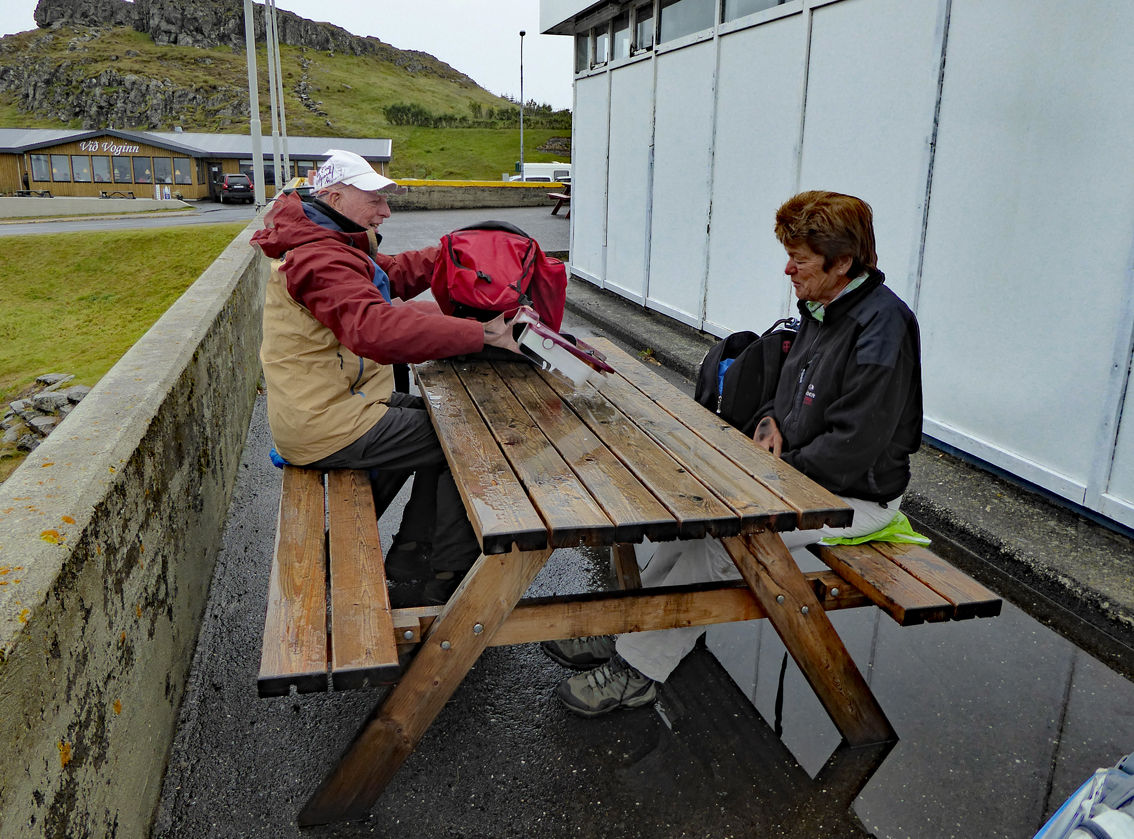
(212,23)
(66,90)
(30,419)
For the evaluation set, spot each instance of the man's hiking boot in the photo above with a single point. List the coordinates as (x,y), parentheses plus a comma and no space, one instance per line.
(580,653)
(440,588)
(607,688)
(407,562)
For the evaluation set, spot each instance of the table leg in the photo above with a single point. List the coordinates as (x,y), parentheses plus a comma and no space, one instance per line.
(484,599)
(626,566)
(771,573)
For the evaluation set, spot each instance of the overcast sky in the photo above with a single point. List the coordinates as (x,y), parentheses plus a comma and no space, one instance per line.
(481,39)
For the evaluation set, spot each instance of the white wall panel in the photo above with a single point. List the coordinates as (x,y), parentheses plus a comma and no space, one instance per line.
(682,138)
(632,127)
(1030,226)
(588,181)
(758,113)
(871,92)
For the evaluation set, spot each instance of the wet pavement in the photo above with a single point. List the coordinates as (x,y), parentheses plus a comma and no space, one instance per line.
(999,719)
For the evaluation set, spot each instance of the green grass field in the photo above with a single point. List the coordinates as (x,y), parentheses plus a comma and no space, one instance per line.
(76,303)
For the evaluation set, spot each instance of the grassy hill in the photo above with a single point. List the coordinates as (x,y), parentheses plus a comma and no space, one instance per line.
(326,94)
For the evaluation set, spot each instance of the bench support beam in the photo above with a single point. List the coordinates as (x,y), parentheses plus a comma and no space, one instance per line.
(771,573)
(452,646)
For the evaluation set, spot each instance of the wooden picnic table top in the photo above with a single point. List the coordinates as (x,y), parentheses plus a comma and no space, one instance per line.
(541,464)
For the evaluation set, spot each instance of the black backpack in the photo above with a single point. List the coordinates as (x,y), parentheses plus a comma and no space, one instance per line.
(750,379)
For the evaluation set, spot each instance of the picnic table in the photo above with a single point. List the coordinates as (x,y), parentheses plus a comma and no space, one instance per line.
(543,465)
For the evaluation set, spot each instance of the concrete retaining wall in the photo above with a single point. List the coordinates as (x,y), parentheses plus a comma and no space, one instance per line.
(469,195)
(108,536)
(51,207)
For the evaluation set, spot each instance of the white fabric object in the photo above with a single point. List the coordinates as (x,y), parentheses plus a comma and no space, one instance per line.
(346,167)
(657,653)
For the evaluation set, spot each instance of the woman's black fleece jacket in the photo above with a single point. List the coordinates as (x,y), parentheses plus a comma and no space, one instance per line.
(848,403)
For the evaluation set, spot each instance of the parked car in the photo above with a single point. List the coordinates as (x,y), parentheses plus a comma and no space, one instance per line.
(236,188)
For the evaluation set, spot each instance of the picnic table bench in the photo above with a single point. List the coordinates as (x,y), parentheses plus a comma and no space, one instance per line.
(541,465)
(561,198)
(115,194)
(33,193)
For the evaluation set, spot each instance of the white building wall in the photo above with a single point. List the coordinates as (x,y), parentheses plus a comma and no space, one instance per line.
(754,171)
(995,142)
(683,139)
(628,206)
(588,177)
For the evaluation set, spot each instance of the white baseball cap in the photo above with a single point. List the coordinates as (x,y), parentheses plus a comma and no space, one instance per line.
(346,167)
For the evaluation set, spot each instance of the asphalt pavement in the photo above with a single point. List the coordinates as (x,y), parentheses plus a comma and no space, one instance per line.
(999,719)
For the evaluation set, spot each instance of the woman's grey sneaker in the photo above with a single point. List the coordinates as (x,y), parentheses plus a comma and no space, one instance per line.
(580,653)
(607,688)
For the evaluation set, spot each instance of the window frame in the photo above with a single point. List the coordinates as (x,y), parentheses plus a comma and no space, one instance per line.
(54,161)
(635,47)
(109,169)
(157,177)
(38,160)
(129,166)
(75,174)
(140,159)
(186,164)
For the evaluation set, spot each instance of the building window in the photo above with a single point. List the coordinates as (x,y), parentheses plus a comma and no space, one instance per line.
(163,170)
(644,27)
(61,168)
(602,44)
(303,168)
(182,170)
(122,174)
(739,8)
(245,168)
(621,42)
(100,165)
(684,17)
(40,167)
(81,166)
(582,51)
(143,172)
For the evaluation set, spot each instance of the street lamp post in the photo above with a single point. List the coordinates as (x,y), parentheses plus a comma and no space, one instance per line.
(522,33)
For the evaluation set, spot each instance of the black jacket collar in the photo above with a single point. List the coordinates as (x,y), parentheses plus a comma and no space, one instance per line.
(841,305)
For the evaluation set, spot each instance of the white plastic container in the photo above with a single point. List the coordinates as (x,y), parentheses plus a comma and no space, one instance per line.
(557,356)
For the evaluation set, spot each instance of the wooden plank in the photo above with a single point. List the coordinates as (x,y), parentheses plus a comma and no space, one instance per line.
(969,598)
(571,515)
(814,505)
(498,507)
(767,566)
(900,595)
(698,512)
(622,496)
(636,610)
(626,567)
(363,648)
(295,630)
(455,641)
(758,507)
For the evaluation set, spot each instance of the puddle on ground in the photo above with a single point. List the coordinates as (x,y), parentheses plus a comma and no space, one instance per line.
(999,719)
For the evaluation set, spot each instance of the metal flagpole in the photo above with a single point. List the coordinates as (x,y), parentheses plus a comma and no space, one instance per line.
(280,96)
(272,91)
(522,33)
(254,105)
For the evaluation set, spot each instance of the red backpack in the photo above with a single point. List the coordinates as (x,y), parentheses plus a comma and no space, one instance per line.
(495,267)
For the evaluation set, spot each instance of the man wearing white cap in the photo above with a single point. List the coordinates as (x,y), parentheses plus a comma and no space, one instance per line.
(331,332)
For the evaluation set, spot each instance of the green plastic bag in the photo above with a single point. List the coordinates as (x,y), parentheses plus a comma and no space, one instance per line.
(898,530)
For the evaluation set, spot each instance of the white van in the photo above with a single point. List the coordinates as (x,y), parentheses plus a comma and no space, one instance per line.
(546,172)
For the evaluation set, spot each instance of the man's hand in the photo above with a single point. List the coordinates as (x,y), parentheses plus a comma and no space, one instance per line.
(767,436)
(498,333)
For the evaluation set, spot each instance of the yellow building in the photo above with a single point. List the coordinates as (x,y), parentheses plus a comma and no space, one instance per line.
(146,164)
